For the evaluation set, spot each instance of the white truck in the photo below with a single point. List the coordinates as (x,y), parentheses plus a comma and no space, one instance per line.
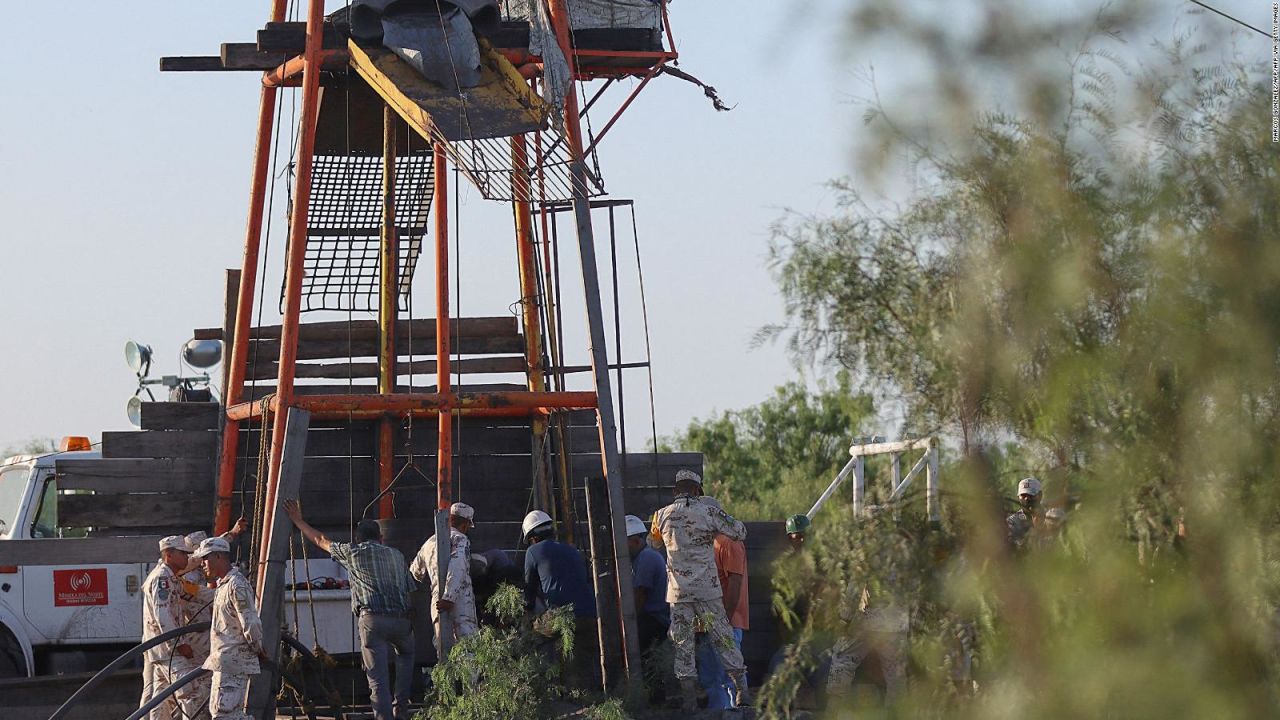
(72,604)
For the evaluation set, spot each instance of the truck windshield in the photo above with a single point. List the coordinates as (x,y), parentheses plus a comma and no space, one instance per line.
(13,485)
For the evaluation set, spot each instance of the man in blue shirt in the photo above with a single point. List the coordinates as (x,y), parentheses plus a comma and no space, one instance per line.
(555,575)
(653,615)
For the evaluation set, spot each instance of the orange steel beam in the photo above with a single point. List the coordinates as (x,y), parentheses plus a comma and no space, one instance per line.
(444,446)
(388,304)
(233,393)
(623,108)
(295,254)
(293,67)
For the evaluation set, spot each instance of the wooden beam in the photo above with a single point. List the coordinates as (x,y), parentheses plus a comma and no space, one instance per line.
(142,475)
(246,56)
(180,416)
(343,370)
(197,63)
(420,346)
(292,37)
(132,510)
(501,105)
(368,329)
(82,551)
(197,444)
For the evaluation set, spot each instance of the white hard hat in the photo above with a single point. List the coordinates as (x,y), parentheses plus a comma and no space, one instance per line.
(533,521)
(635,526)
(1029,486)
(213,545)
(174,542)
(462,510)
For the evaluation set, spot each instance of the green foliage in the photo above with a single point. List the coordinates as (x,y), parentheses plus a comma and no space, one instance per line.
(502,671)
(608,710)
(1088,289)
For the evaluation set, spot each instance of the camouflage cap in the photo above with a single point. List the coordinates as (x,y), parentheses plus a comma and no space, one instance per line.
(689,475)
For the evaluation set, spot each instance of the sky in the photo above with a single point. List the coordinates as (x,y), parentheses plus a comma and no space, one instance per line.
(125,192)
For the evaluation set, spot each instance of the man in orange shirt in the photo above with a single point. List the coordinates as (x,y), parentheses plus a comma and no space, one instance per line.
(731,566)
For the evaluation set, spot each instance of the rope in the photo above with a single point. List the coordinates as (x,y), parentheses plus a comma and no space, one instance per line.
(648,349)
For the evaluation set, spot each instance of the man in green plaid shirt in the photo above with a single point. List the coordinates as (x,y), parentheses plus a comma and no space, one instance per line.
(380,587)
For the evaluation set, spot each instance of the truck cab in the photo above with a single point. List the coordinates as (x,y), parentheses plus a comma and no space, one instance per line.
(63,614)
(71,603)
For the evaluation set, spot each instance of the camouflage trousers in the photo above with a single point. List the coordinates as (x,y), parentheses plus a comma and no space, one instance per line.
(228,696)
(188,703)
(689,618)
(850,652)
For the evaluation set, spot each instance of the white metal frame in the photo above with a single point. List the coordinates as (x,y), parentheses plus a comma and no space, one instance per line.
(859,451)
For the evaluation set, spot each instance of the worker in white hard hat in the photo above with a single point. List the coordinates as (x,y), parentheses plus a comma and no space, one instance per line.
(235,648)
(455,598)
(653,615)
(687,529)
(555,575)
(1020,523)
(163,611)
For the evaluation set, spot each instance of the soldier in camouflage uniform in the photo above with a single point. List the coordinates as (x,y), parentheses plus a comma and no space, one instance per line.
(197,600)
(163,610)
(458,599)
(687,529)
(236,636)
(1023,521)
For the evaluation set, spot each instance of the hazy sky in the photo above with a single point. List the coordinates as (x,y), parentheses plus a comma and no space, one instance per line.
(124,192)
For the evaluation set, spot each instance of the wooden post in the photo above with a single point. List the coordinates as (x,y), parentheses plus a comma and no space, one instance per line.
(603,575)
(231,293)
(388,304)
(529,307)
(895,469)
(262,695)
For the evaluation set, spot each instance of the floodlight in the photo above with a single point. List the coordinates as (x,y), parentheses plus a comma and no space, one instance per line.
(202,354)
(138,356)
(134,410)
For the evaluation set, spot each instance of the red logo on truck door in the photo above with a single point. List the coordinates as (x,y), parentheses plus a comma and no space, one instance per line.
(79,587)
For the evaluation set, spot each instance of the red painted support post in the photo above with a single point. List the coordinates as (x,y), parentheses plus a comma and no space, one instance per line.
(295,253)
(238,355)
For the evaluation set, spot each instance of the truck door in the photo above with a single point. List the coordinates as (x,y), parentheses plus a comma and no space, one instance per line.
(79,602)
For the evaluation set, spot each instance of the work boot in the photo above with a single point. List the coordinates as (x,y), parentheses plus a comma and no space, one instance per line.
(688,694)
(742,692)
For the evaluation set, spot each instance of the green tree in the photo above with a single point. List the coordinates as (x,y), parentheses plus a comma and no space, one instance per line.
(773,459)
(1098,284)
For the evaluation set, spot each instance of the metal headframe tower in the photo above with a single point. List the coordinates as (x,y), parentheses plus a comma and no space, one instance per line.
(323,52)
